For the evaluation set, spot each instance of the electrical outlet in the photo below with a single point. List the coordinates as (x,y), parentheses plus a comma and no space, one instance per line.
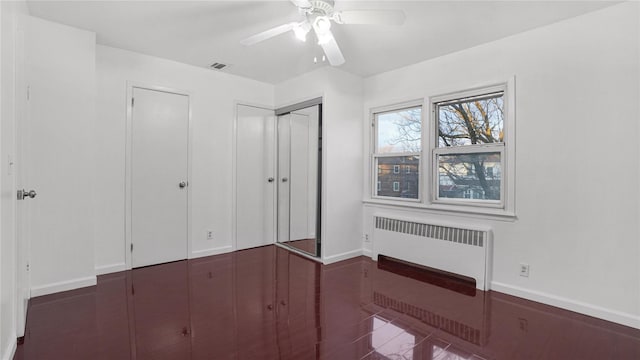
(366,238)
(209,234)
(524,270)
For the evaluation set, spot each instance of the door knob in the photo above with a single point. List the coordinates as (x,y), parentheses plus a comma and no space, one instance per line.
(270,179)
(284,179)
(182,185)
(24,194)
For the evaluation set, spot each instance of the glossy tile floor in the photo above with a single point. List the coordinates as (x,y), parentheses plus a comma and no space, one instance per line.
(268,303)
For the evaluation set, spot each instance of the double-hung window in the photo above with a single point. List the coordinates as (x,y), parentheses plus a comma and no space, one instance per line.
(397,134)
(462,155)
(468,148)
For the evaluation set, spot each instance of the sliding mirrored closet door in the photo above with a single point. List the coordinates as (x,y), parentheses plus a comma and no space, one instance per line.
(299,173)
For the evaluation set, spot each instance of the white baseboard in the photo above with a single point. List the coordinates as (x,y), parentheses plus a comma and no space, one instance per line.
(339,257)
(10,350)
(569,304)
(63,286)
(107,269)
(367,252)
(210,252)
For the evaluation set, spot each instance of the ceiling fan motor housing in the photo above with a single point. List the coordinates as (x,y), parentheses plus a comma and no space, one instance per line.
(322,7)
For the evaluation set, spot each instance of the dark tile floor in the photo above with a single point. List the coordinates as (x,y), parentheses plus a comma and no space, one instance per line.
(268,303)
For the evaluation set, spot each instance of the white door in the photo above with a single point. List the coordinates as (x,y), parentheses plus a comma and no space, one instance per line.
(54,158)
(158,176)
(255,177)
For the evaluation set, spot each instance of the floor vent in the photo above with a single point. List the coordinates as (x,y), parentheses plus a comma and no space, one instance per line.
(463,250)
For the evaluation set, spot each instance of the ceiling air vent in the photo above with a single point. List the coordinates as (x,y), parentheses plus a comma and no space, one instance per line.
(218,66)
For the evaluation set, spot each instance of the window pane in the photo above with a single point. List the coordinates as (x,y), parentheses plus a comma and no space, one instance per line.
(471,121)
(400,184)
(469,176)
(399,131)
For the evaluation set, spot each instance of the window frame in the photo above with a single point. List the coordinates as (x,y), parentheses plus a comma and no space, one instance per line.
(428,166)
(374,155)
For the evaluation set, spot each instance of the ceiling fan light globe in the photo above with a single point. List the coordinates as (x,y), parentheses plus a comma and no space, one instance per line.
(324,38)
(322,24)
(300,33)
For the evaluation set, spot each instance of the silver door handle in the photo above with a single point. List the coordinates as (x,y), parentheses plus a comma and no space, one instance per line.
(182,185)
(26,194)
(284,179)
(270,179)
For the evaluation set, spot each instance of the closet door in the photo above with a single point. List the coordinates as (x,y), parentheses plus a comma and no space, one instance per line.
(255,177)
(158,176)
(298,179)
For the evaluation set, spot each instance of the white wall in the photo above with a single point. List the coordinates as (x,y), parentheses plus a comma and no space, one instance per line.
(60,71)
(213,97)
(342,154)
(10,15)
(577,159)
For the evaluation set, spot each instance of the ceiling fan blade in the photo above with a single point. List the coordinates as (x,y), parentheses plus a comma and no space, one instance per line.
(332,50)
(268,34)
(373,17)
(304,4)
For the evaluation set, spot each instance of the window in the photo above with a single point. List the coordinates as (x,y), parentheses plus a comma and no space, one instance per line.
(469,148)
(397,134)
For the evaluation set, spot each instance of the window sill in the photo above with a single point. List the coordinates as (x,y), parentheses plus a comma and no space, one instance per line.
(442,209)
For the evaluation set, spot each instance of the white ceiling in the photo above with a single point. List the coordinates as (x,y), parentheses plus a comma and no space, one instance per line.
(200,33)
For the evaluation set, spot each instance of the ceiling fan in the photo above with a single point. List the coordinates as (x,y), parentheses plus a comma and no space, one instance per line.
(319,14)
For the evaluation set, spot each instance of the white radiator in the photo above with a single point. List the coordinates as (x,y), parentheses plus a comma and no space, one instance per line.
(458,249)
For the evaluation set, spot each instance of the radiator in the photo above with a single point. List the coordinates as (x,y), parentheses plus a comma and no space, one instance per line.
(458,249)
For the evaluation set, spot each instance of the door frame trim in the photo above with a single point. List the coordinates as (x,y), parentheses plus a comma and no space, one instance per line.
(21,121)
(131,85)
